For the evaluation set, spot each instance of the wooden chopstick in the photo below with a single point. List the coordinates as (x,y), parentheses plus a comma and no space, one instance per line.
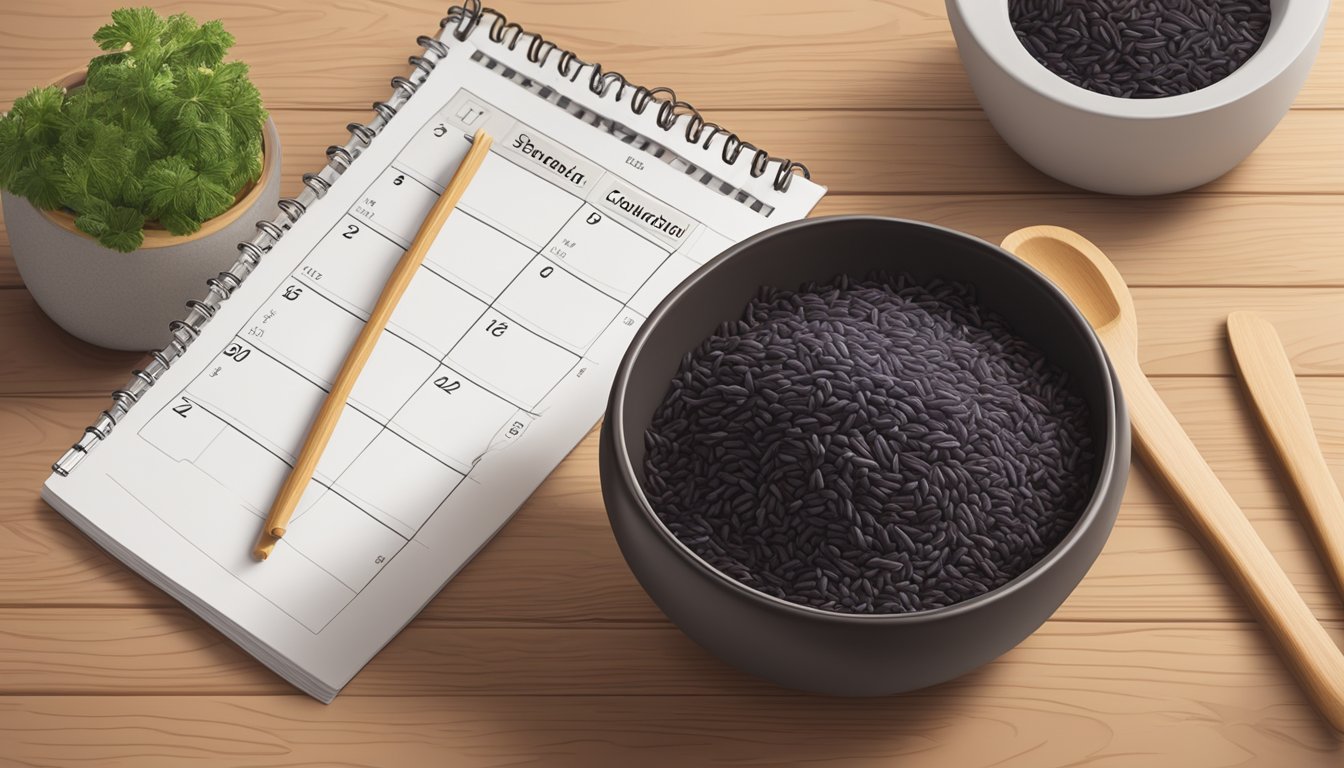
(1267,373)
(325,422)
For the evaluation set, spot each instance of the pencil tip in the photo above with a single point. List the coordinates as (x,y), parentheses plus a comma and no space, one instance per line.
(263,549)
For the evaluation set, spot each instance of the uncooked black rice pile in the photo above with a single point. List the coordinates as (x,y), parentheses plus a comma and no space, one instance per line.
(1141,49)
(869,447)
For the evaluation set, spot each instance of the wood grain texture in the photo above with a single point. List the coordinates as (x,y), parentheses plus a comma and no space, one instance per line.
(890,54)
(1097,712)
(1190,240)
(897,161)
(952,164)
(1152,662)
(1195,240)
(84,651)
(926,151)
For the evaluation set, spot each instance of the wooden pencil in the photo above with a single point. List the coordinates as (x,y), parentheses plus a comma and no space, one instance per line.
(324,424)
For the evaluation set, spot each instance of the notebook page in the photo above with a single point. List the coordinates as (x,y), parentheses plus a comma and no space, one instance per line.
(497,361)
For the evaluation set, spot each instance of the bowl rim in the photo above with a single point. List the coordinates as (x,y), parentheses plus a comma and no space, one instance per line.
(1089,517)
(1290,34)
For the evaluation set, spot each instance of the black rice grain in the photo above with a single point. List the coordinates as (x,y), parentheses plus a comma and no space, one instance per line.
(1141,49)
(875,446)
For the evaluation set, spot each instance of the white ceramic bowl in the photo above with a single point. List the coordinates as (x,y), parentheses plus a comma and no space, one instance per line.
(1134,146)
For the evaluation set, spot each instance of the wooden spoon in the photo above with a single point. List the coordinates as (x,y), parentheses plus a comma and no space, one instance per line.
(1268,376)
(1087,277)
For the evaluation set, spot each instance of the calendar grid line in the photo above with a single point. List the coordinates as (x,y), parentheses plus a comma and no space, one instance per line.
(391,331)
(353,405)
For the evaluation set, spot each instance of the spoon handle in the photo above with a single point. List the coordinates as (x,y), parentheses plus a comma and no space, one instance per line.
(1268,376)
(1233,543)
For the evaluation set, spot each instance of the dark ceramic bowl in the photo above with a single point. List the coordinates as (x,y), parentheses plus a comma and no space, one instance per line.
(814,649)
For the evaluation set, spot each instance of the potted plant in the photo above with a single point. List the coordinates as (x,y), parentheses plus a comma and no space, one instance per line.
(126,185)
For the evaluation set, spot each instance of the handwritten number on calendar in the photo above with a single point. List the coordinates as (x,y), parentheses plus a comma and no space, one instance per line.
(350,231)
(183,408)
(237,352)
(496,328)
(447,385)
(397,181)
(292,292)
(439,130)
(546,271)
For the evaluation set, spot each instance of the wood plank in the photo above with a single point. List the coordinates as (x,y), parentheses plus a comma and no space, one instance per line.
(1182,333)
(927,151)
(1193,240)
(1101,695)
(1151,569)
(855,54)
(916,154)
(39,357)
(1190,240)
(83,651)
(957,153)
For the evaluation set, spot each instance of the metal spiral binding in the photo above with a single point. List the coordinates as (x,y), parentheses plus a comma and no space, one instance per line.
(671,111)
(251,252)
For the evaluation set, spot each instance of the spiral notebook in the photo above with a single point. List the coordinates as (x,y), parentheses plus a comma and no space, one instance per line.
(598,198)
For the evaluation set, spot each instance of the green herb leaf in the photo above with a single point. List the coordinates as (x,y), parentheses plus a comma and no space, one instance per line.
(197,97)
(247,169)
(38,113)
(197,139)
(204,46)
(178,28)
(181,197)
(142,138)
(13,155)
(37,182)
(241,102)
(102,147)
(98,63)
(136,27)
(118,228)
(28,133)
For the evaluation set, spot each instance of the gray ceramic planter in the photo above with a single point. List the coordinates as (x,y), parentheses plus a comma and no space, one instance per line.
(126,300)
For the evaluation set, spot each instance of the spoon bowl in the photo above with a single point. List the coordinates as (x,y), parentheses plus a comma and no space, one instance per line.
(1083,272)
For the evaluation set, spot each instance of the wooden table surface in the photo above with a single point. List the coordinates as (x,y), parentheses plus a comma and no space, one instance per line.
(545,651)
